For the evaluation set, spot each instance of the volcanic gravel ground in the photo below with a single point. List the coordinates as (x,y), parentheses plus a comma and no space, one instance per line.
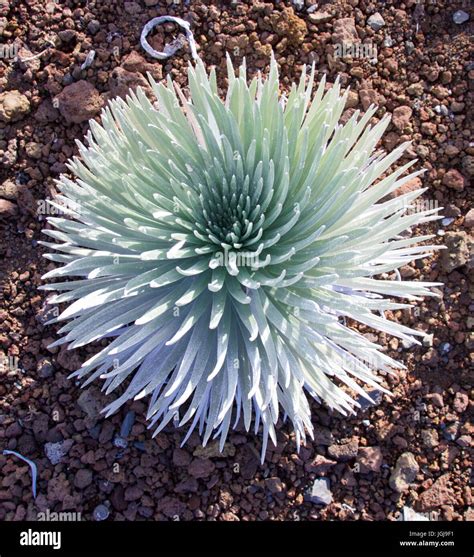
(410,449)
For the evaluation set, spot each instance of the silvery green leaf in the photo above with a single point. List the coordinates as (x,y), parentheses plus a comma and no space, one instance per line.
(221,245)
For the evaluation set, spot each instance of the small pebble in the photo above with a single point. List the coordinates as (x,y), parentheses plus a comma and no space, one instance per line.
(67,79)
(45,369)
(298,4)
(460,16)
(101,512)
(410,515)
(376,21)
(95,431)
(93,26)
(450,432)
(320,492)
(410,47)
(441,109)
(57,451)
(447,221)
(120,443)
(445,347)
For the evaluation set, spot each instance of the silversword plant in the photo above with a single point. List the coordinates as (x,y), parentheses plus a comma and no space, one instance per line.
(171,193)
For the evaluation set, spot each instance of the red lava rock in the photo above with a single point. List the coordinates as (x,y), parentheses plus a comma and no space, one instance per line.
(344,452)
(461,402)
(344,31)
(464,441)
(40,426)
(428,128)
(106,432)
(201,468)
(69,359)
(436,399)
(26,201)
(171,507)
(410,185)
(348,478)
(440,493)
(287,24)
(469,219)
(8,190)
(401,117)
(79,102)
(117,498)
(404,473)
(322,435)
(230,517)
(430,438)
(188,485)
(369,459)
(451,150)
(58,488)
(454,179)
(13,430)
(400,442)
(7,208)
(320,465)
(46,112)
(13,106)
(320,17)
(181,457)
(212,450)
(249,468)
(132,8)
(130,512)
(449,456)
(133,493)
(83,478)
(27,445)
(458,252)
(468,165)
(121,82)
(4,7)
(135,62)
(162,441)
(225,499)
(368,97)
(352,99)
(90,402)
(274,485)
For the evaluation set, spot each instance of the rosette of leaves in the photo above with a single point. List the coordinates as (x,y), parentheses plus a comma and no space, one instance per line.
(227,247)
